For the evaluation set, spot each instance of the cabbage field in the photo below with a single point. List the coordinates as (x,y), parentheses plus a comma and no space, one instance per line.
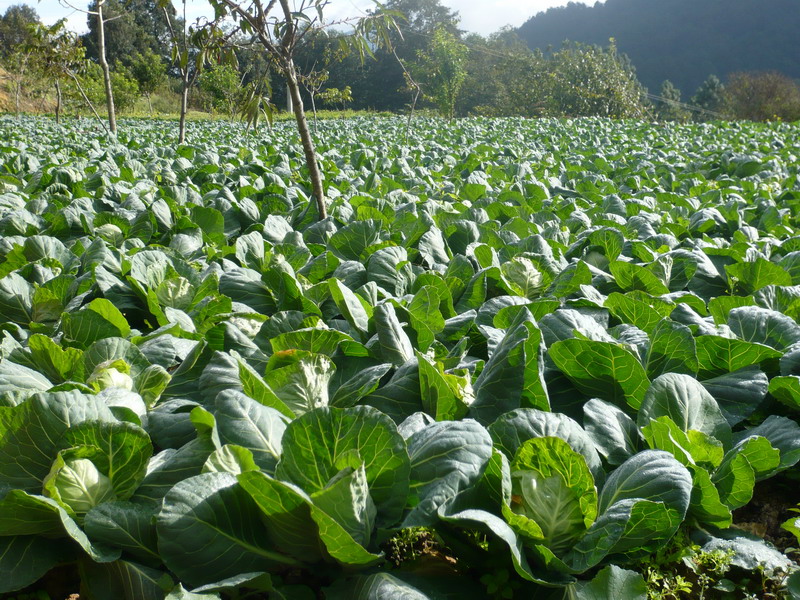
(520,359)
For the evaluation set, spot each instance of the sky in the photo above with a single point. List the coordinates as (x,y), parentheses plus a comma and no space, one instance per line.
(479,16)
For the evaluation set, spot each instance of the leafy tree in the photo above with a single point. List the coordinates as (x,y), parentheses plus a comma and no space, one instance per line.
(592,81)
(762,97)
(504,77)
(668,107)
(415,31)
(312,82)
(711,95)
(15,29)
(18,68)
(193,47)
(281,30)
(441,69)
(97,19)
(222,84)
(337,97)
(133,27)
(126,90)
(150,73)
(57,53)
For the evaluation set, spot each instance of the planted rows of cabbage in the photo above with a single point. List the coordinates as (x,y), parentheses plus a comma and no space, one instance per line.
(553,343)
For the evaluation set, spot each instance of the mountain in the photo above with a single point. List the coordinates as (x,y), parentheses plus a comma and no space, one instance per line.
(681,40)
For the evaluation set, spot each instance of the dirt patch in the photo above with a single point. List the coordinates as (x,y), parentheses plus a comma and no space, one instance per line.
(767,511)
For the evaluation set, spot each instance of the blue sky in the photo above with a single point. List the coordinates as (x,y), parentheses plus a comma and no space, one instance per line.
(480,16)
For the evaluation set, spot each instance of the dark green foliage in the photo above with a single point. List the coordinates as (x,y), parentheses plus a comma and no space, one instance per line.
(680,40)
(762,97)
(132,27)
(668,105)
(14,32)
(710,97)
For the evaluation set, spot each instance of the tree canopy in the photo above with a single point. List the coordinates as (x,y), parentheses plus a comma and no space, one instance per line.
(680,40)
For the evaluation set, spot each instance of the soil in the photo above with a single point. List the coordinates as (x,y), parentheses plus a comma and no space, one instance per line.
(767,511)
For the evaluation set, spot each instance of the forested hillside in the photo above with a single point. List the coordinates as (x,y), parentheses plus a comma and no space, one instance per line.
(680,40)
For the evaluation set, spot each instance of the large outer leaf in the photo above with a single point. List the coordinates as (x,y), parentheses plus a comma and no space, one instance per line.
(446,458)
(247,423)
(719,355)
(400,398)
(650,475)
(738,394)
(613,432)
(687,403)
(32,434)
(127,526)
(223,523)
(24,559)
(298,527)
(511,430)
(16,299)
(763,326)
(751,459)
(601,369)
(328,438)
(672,350)
(783,434)
(387,586)
(749,551)
(26,514)
(124,580)
(395,345)
(348,503)
(351,241)
(513,377)
(485,522)
(97,320)
(18,382)
(170,467)
(787,390)
(352,307)
(612,582)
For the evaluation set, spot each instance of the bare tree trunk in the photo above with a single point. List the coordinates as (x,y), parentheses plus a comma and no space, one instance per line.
(17,92)
(305,138)
(289,106)
(149,103)
(314,109)
(101,51)
(58,102)
(184,107)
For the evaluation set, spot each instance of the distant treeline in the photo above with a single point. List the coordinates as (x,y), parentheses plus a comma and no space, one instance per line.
(670,60)
(680,40)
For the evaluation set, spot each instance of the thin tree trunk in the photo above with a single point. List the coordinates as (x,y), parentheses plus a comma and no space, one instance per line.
(149,103)
(17,91)
(101,51)
(184,107)
(305,138)
(58,102)
(314,109)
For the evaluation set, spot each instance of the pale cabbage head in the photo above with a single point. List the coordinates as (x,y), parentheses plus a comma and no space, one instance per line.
(111,233)
(79,485)
(111,374)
